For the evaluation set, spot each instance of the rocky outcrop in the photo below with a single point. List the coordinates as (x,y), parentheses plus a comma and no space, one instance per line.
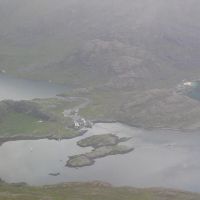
(104,145)
(96,141)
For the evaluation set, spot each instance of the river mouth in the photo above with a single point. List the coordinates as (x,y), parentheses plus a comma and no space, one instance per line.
(161,159)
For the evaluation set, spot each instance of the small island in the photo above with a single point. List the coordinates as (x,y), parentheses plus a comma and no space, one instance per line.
(79,161)
(104,145)
(96,141)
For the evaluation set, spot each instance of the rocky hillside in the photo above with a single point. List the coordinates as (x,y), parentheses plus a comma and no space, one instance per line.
(134,43)
(162,109)
(145,47)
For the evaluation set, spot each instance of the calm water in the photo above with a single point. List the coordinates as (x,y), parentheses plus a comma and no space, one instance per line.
(18,89)
(161,159)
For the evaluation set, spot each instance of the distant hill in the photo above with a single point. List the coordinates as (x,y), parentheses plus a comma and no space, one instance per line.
(142,43)
(145,47)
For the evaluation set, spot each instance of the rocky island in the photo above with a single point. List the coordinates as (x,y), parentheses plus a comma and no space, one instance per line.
(96,141)
(103,145)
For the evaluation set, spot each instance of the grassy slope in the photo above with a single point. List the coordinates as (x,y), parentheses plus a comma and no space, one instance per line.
(153,108)
(104,104)
(18,123)
(24,124)
(128,49)
(65,44)
(89,191)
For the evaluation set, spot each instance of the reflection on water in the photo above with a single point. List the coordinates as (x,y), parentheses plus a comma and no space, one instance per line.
(18,89)
(161,159)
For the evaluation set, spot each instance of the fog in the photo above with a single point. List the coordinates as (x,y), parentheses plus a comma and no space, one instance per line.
(49,17)
(43,34)
(130,61)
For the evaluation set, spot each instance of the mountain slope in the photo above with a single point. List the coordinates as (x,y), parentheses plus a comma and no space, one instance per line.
(147,40)
(143,47)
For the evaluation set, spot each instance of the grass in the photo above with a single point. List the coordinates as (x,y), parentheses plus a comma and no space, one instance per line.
(56,106)
(21,124)
(104,104)
(16,58)
(24,124)
(18,123)
(89,191)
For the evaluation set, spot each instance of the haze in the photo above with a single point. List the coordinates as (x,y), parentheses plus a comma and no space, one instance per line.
(103,88)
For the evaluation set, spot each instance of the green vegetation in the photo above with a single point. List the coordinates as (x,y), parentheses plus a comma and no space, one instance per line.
(96,141)
(89,191)
(16,58)
(104,105)
(108,150)
(148,109)
(18,123)
(36,118)
(85,51)
(136,49)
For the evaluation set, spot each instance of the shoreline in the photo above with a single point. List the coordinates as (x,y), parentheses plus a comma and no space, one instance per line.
(161,128)
(49,137)
(81,133)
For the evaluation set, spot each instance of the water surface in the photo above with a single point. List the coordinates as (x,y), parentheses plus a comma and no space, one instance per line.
(161,159)
(23,89)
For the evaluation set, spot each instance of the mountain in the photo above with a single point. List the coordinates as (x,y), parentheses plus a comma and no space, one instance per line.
(135,42)
(146,47)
